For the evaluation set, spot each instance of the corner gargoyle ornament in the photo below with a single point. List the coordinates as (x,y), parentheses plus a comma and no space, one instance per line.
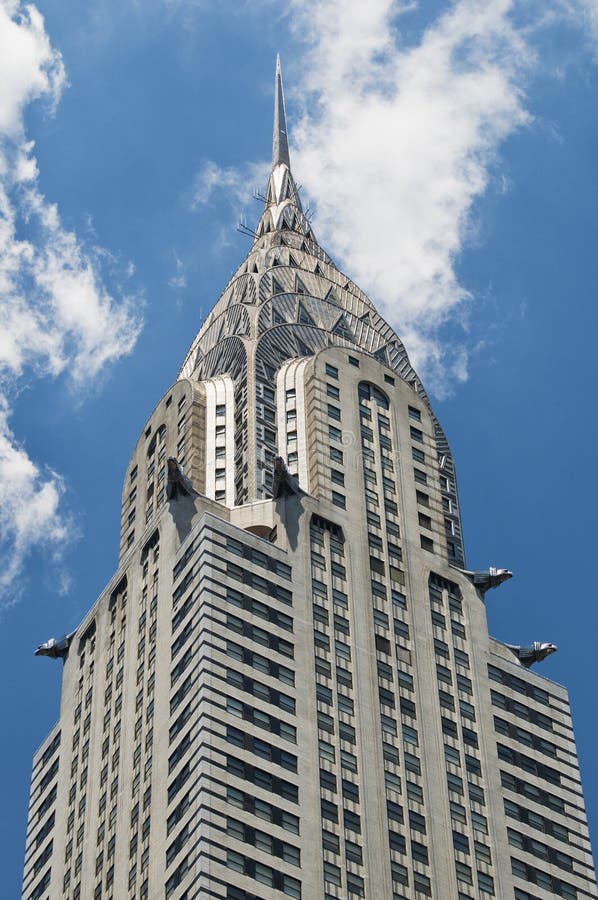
(56,648)
(491,578)
(527,656)
(283,483)
(178,484)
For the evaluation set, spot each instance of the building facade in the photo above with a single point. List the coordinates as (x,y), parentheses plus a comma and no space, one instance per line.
(288,688)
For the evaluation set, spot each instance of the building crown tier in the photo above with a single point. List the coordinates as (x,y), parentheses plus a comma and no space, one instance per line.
(286,302)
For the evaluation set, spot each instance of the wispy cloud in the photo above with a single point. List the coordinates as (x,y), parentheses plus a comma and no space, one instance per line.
(56,315)
(237,186)
(178,280)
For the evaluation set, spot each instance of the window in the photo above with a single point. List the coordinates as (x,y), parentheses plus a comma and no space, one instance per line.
(460,842)
(416,434)
(420,476)
(417,822)
(427,543)
(336,455)
(333,391)
(419,852)
(330,841)
(422,498)
(332,873)
(331,371)
(485,883)
(353,361)
(463,872)
(338,499)
(424,520)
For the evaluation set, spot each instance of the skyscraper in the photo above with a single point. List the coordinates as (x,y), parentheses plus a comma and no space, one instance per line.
(288,687)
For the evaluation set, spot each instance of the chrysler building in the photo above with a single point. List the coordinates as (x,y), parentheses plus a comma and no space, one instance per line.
(288,688)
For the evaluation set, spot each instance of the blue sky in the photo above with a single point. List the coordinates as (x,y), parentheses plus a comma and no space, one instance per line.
(448,153)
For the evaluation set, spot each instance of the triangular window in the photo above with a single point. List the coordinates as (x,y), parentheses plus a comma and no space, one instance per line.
(276,287)
(304,350)
(381,355)
(277,319)
(342,329)
(304,317)
(300,287)
(317,270)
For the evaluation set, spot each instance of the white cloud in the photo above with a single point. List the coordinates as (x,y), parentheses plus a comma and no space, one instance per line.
(29,66)
(56,315)
(30,513)
(395,145)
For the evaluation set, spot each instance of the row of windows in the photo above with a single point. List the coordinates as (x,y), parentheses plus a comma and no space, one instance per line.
(262,778)
(259,636)
(518,685)
(329,813)
(260,663)
(261,748)
(264,841)
(182,586)
(176,877)
(263,691)
(261,719)
(334,877)
(538,795)
(501,726)
(539,849)
(263,874)
(263,810)
(528,764)
(258,608)
(541,823)
(521,710)
(183,561)
(462,843)
(49,751)
(258,557)
(543,880)
(259,583)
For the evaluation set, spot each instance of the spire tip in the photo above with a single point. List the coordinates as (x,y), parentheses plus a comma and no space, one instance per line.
(280,144)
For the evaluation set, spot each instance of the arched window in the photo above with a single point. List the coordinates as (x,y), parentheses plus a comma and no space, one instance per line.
(369,391)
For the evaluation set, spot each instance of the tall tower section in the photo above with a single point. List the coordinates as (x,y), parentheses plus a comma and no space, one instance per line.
(288,688)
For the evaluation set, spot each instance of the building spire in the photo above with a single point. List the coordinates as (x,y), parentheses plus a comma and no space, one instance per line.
(280,144)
